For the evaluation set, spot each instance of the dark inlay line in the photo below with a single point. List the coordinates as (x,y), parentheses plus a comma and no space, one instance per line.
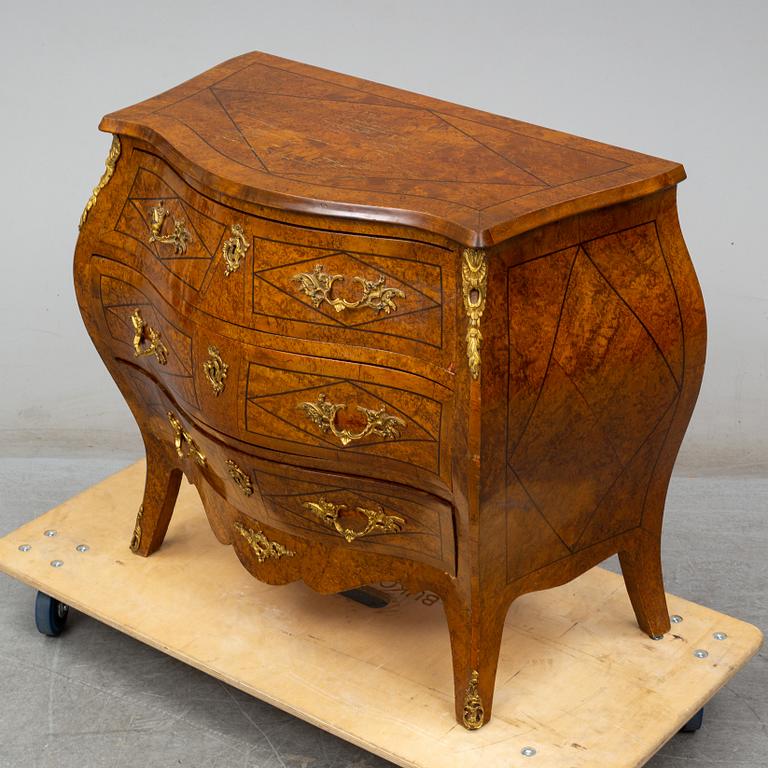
(252,398)
(218,151)
(656,464)
(341,449)
(624,468)
(284,222)
(538,138)
(592,413)
(677,297)
(541,514)
(549,360)
(194,93)
(623,534)
(288,176)
(347,380)
(556,186)
(333,358)
(318,258)
(582,242)
(637,317)
(202,426)
(262,92)
(237,128)
(474,182)
(490,149)
(338,324)
(331,82)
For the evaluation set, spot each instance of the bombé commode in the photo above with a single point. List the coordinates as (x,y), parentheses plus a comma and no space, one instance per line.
(392,338)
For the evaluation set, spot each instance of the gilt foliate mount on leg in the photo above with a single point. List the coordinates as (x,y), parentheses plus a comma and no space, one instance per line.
(474,713)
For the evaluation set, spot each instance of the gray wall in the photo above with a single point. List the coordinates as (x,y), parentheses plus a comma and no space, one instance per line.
(683,80)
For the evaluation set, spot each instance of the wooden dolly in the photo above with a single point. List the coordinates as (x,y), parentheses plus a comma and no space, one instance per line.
(578,683)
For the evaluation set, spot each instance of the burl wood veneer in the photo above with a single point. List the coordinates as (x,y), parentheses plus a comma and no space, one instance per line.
(392,338)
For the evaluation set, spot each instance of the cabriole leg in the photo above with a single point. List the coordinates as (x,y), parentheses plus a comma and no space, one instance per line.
(475,646)
(161,488)
(641,568)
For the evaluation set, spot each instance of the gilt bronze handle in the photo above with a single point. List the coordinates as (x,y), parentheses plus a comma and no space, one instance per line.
(144,334)
(323,414)
(318,285)
(376,520)
(182,440)
(179,237)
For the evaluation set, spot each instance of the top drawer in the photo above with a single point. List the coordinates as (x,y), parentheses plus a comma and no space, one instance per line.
(376,292)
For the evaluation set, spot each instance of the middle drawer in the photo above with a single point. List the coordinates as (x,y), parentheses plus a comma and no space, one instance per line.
(380,420)
(343,511)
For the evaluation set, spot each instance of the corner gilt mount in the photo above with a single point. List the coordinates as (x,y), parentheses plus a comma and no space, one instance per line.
(109,169)
(474,274)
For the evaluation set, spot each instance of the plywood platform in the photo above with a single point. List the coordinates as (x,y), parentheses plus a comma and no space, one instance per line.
(582,687)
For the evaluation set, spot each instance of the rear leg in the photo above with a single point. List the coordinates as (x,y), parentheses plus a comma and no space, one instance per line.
(641,568)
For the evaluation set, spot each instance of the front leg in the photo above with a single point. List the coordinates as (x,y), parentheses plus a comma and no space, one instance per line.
(161,488)
(476,635)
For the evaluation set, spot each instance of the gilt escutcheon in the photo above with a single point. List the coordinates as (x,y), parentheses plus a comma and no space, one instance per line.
(215,370)
(144,334)
(234,249)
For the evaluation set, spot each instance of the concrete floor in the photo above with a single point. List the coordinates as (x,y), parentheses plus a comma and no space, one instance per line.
(98,699)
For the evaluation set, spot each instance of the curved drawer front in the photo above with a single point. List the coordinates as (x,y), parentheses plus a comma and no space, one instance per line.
(141,333)
(345,414)
(372,292)
(346,512)
(345,411)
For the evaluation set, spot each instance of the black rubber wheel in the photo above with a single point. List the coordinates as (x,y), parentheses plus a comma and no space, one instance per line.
(367,596)
(694,723)
(50,615)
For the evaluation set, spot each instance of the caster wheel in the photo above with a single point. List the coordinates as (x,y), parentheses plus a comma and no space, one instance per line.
(694,723)
(367,596)
(50,615)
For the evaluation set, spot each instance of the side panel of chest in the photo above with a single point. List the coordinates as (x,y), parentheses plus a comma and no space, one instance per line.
(598,339)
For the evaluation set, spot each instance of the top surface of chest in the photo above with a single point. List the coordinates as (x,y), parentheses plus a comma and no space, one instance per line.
(284,134)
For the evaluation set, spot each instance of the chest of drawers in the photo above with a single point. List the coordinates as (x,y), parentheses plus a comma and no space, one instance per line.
(392,338)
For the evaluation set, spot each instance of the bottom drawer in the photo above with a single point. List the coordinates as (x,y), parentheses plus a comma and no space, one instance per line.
(351,513)
(330,510)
